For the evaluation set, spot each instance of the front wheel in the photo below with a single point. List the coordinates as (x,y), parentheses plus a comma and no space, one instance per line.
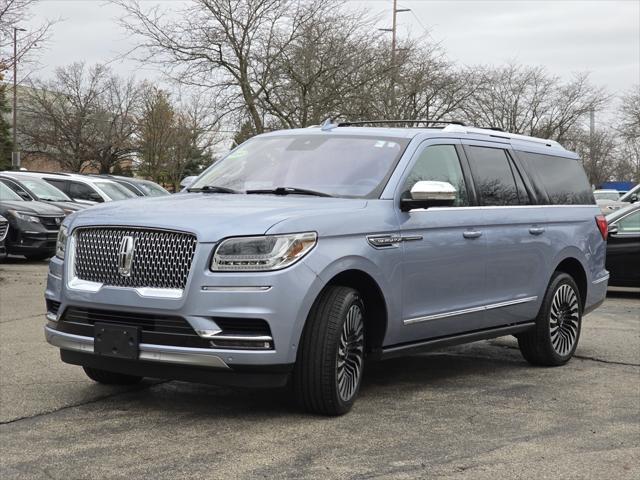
(554,339)
(330,363)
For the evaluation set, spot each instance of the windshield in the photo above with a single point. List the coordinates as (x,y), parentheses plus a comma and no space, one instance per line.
(338,165)
(606,195)
(9,195)
(627,196)
(44,191)
(115,191)
(152,189)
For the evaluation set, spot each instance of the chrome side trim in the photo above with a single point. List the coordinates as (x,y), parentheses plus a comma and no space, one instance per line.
(148,352)
(214,288)
(500,207)
(390,240)
(601,279)
(454,313)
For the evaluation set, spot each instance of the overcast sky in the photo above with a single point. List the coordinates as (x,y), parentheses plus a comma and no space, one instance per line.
(599,36)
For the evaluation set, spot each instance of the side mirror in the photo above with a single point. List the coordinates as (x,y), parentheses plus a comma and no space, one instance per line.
(95,197)
(612,229)
(425,194)
(25,196)
(633,198)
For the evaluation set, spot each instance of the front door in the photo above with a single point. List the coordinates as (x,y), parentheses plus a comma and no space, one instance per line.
(443,251)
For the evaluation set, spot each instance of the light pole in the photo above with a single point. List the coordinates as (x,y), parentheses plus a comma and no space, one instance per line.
(15,155)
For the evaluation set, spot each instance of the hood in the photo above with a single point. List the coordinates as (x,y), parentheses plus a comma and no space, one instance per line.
(74,207)
(212,216)
(34,207)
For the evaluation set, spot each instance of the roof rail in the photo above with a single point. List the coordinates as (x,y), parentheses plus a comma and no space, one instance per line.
(385,122)
(501,134)
(47,173)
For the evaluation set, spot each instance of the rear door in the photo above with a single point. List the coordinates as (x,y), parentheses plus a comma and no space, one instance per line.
(514,228)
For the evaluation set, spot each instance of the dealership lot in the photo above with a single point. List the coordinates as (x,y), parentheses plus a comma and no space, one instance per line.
(476,411)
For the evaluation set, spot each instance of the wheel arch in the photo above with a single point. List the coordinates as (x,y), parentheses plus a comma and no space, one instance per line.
(376,311)
(574,267)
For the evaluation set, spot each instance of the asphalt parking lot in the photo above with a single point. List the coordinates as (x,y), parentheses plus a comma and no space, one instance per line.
(472,412)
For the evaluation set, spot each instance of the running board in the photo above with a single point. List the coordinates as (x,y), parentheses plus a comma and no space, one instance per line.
(427,345)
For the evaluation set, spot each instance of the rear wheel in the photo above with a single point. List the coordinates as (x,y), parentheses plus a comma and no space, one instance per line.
(330,363)
(110,378)
(557,331)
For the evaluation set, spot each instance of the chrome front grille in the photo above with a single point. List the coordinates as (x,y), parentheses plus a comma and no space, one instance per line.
(160,259)
(4,228)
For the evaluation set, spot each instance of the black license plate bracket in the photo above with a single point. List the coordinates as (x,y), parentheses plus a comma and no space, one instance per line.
(119,341)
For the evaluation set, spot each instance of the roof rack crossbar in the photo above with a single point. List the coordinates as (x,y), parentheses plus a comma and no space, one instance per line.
(385,122)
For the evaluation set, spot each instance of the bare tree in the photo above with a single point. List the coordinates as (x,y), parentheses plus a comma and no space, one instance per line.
(228,46)
(599,153)
(175,138)
(13,13)
(629,130)
(527,100)
(82,117)
(326,70)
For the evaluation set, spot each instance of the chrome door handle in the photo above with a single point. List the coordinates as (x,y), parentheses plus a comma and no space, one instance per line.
(472,234)
(536,230)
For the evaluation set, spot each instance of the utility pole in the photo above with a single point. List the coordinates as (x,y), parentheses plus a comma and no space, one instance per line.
(15,155)
(394,49)
(592,138)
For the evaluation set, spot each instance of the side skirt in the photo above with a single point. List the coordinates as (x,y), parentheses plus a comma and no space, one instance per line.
(459,339)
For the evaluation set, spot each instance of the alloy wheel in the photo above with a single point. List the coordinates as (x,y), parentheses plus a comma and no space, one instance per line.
(564,317)
(350,353)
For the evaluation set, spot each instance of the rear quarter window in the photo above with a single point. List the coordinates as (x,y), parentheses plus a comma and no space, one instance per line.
(562,179)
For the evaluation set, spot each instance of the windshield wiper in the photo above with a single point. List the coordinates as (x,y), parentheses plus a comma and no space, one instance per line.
(212,189)
(290,191)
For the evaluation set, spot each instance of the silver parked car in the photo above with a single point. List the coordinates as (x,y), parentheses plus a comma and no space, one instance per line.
(305,253)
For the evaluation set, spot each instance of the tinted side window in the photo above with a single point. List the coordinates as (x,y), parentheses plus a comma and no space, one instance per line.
(81,191)
(439,163)
(59,184)
(562,178)
(493,177)
(15,187)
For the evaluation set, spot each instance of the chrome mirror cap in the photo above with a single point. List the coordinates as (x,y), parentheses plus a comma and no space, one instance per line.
(430,190)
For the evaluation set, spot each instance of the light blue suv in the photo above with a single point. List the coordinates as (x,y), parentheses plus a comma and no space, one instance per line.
(303,254)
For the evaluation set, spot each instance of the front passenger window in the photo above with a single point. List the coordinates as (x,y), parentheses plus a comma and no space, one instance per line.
(80,191)
(438,163)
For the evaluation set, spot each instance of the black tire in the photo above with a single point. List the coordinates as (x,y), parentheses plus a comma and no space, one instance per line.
(110,378)
(39,256)
(555,337)
(330,362)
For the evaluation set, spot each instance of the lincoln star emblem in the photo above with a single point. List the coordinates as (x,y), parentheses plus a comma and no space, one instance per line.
(125,256)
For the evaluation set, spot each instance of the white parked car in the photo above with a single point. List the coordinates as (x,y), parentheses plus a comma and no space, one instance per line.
(85,189)
(607,205)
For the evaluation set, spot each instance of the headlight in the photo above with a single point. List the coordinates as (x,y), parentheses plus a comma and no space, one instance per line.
(255,254)
(61,243)
(25,216)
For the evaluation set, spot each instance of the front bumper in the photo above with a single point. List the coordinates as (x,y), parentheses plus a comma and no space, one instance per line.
(201,357)
(282,299)
(24,242)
